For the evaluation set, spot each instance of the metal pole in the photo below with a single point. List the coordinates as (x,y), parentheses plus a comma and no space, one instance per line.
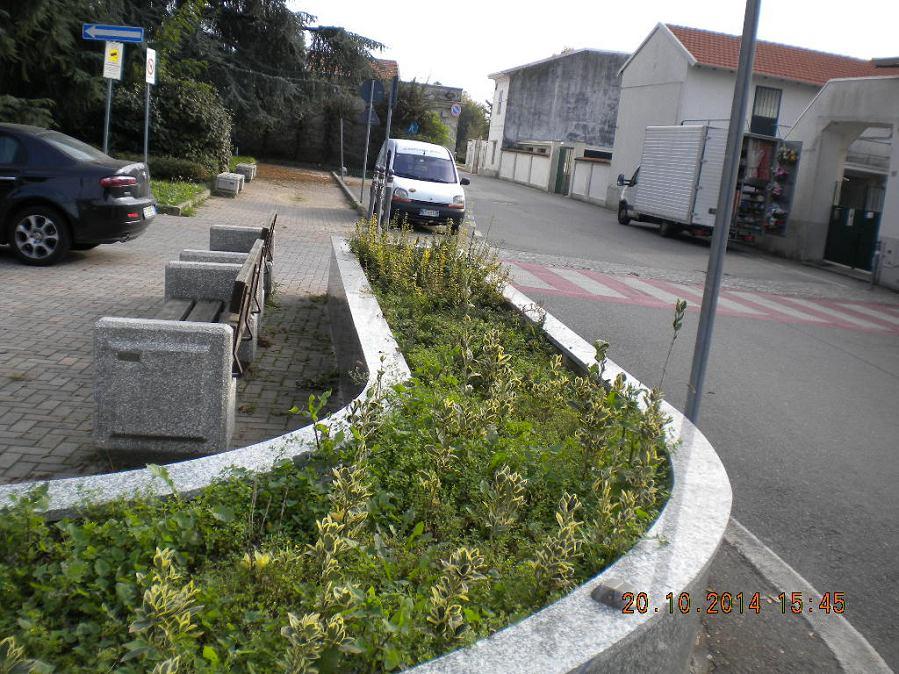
(371,96)
(147,128)
(342,169)
(386,192)
(106,121)
(724,213)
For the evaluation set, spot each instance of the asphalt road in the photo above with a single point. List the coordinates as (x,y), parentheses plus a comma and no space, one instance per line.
(802,415)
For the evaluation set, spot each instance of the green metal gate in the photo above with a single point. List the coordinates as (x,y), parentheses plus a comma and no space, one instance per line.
(563,172)
(852,236)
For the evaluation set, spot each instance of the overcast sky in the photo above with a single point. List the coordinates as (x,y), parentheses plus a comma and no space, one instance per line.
(459,43)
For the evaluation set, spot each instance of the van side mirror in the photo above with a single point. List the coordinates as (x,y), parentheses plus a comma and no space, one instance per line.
(465,181)
(621,180)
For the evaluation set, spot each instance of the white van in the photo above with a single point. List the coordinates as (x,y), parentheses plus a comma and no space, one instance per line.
(419,182)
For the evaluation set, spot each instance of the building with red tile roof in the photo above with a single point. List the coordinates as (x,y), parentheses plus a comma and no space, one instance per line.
(794,64)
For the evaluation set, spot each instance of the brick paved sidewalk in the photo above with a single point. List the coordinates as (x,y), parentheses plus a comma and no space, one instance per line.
(46,329)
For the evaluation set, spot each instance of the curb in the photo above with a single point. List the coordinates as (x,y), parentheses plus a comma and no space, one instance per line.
(354,202)
(178,209)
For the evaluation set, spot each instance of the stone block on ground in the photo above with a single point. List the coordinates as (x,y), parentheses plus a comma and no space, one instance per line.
(248,171)
(229,184)
(163,386)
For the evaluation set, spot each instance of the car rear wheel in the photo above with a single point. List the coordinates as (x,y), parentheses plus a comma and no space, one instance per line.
(39,235)
(623,217)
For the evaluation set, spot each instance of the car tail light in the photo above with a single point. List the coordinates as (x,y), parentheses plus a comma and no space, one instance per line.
(118,181)
(134,216)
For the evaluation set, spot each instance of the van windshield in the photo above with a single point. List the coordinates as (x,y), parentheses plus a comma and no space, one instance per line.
(424,167)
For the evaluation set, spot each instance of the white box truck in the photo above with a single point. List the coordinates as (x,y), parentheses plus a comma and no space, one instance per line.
(676,185)
(677,182)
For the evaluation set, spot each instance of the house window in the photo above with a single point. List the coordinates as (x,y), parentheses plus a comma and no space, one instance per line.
(493,153)
(499,104)
(765,111)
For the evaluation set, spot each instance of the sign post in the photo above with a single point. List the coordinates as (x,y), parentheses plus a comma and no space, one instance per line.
(150,77)
(725,211)
(112,70)
(114,37)
(373,90)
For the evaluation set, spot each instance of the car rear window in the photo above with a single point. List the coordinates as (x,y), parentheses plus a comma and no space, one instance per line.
(72,148)
(420,166)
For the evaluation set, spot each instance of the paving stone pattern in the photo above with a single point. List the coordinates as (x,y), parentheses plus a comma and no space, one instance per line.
(47,317)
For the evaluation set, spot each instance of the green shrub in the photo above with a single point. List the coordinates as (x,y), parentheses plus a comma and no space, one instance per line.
(187,120)
(174,192)
(494,482)
(172,168)
(240,159)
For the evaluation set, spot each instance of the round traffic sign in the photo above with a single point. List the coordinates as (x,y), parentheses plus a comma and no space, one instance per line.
(456,110)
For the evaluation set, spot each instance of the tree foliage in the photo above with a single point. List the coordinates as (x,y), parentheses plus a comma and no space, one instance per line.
(413,111)
(472,123)
(268,64)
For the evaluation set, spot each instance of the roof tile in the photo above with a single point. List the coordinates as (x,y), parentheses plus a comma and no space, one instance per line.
(775,60)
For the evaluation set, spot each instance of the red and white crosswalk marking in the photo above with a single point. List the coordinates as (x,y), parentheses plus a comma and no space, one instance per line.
(626,289)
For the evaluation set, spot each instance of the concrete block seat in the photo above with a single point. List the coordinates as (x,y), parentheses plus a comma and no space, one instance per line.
(248,171)
(167,384)
(227,238)
(228,184)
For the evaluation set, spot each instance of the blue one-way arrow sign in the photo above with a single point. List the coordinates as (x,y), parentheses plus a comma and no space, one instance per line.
(96,31)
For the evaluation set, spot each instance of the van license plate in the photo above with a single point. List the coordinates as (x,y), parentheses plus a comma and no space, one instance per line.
(149,212)
(429,213)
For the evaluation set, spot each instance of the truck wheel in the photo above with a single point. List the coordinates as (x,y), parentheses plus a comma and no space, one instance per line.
(623,217)
(668,229)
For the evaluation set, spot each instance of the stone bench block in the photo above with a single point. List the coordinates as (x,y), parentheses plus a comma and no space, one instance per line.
(223,257)
(163,386)
(248,171)
(240,240)
(211,281)
(229,184)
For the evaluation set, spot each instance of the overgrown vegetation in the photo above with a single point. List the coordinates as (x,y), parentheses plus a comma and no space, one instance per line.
(492,482)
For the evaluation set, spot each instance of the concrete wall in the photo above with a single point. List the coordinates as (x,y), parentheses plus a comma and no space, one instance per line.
(497,119)
(651,91)
(526,168)
(842,111)
(573,98)
(589,181)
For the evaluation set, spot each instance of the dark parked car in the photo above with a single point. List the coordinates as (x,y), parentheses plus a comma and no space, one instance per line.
(59,194)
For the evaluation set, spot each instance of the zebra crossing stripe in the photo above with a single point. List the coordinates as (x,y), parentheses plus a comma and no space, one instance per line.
(882,315)
(776,306)
(723,302)
(648,289)
(587,283)
(839,315)
(522,276)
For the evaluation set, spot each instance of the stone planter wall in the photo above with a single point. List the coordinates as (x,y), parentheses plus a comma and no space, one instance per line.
(580,634)
(576,633)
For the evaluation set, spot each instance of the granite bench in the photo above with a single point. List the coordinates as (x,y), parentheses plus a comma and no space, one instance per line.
(168,384)
(233,239)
